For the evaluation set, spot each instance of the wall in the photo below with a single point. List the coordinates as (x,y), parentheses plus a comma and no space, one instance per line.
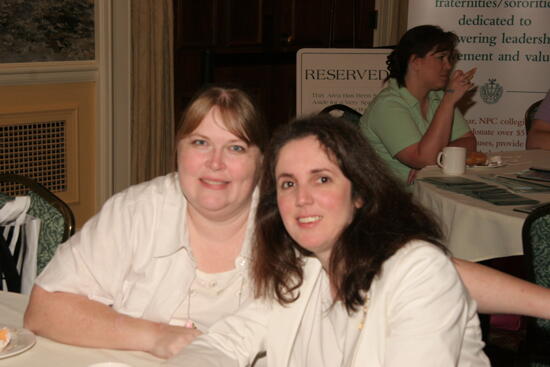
(20,99)
(83,87)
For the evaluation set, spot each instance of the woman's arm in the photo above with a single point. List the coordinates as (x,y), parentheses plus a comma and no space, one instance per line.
(75,319)
(232,341)
(437,137)
(438,134)
(501,293)
(467,141)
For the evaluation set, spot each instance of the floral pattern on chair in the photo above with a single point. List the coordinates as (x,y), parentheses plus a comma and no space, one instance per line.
(51,229)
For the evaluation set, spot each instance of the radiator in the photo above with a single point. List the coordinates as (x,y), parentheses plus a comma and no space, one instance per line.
(41,144)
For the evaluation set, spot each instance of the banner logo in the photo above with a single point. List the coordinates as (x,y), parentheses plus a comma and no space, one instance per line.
(491,92)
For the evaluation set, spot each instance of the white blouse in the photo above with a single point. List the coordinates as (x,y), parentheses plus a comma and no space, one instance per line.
(135,256)
(323,332)
(210,297)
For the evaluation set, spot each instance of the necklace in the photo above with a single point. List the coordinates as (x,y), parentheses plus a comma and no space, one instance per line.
(209,288)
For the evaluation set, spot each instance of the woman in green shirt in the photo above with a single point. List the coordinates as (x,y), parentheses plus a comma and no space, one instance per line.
(416,115)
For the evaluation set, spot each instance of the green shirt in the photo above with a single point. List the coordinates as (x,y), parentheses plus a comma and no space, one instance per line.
(393,121)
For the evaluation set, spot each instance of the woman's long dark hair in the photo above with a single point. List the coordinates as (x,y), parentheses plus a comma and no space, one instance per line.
(386,221)
(418,41)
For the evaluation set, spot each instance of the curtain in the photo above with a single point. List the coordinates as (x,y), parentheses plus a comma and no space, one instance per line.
(152,112)
(392,22)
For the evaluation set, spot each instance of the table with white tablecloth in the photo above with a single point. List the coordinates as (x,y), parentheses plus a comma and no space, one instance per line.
(477,230)
(49,353)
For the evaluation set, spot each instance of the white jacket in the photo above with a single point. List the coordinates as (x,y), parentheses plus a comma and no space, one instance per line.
(134,255)
(419,314)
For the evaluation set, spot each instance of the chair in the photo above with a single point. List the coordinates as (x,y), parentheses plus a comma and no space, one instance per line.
(536,249)
(344,111)
(13,246)
(530,115)
(57,219)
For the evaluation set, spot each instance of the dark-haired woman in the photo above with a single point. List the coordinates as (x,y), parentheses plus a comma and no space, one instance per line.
(348,271)
(416,115)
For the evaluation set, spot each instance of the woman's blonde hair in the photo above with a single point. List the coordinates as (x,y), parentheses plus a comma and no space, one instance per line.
(237,110)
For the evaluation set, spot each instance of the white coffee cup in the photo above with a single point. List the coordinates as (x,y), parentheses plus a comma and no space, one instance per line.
(452,161)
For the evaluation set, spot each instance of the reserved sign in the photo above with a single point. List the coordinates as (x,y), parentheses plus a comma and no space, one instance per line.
(327,76)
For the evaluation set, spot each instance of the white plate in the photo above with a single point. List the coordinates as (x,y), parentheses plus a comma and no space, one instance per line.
(490,165)
(21,340)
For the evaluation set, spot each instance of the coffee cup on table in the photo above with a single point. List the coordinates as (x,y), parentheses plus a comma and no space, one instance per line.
(452,161)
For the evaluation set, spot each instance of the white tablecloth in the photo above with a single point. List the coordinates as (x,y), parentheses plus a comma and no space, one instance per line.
(46,353)
(477,230)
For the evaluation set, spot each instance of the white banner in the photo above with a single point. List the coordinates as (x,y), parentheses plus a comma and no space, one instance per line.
(330,76)
(509,43)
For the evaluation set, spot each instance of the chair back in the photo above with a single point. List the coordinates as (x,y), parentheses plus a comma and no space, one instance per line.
(530,114)
(341,110)
(12,254)
(536,249)
(57,219)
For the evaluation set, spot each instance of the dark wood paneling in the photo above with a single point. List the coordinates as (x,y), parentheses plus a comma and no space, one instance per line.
(304,22)
(253,43)
(188,68)
(325,23)
(242,23)
(195,23)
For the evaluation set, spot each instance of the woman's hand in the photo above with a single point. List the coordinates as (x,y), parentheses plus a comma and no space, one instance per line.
(412,176)
(171,339)
(459,83)
(74,319)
